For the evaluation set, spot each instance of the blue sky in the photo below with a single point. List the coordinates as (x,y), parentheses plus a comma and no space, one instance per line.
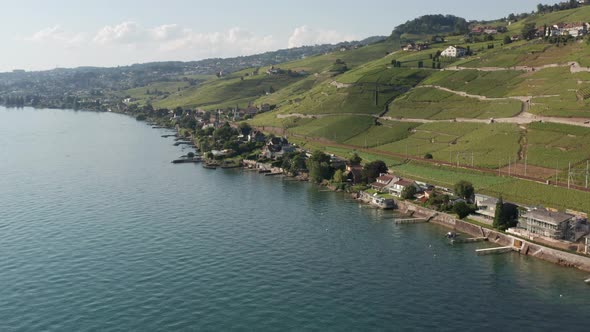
(66,33)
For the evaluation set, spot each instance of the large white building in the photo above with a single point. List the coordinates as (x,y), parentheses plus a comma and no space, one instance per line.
(454,52)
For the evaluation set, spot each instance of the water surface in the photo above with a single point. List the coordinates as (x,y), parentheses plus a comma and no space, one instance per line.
(99,231)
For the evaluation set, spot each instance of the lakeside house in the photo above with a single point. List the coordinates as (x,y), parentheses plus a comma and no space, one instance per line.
(486,207)
(400,185)
(354,173)
(551,224)
(454,52)
(383,182)
(276,148)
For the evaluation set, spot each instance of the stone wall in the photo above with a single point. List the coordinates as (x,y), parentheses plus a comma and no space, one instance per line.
(520,245)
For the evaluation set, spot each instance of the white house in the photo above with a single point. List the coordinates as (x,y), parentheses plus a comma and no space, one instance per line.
(454,52)
(398,187)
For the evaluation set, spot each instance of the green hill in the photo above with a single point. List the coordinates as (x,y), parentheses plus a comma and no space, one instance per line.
(506,104)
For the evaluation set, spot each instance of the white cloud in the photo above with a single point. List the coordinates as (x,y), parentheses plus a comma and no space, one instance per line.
(304,35)
(173,38)
(124,33)
(56,34)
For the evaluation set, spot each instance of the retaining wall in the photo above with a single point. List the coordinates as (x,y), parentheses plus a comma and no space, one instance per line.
(523,246)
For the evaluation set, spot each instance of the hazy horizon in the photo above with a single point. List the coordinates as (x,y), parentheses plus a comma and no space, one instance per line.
(66,34)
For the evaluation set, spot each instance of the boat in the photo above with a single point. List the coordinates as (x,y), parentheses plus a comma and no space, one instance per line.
(587,281)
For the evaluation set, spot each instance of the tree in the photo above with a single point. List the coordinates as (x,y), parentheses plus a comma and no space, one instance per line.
(428,156)
(409,192)
(528,31)
(462,209)
(464,189)
(355,159)
(373,170)
(319,166)
(338,176)
(245,128)
(498,214)
(507,40)
(506,215)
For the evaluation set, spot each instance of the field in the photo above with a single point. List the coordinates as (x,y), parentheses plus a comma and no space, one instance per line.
(227,92)
(156,91)
(334,128)
(385,133)
(430,138)
(430,103)
(493,84)
(556,146)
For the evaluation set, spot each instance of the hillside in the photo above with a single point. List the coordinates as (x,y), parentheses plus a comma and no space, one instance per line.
(516,103)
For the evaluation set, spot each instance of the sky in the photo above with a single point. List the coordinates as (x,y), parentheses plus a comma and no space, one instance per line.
(39,35)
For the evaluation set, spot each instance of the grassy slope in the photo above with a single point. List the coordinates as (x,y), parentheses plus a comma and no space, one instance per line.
(339,110)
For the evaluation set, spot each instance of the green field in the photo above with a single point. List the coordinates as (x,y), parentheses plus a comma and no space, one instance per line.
(334,128)
(385,133)
(430,103)
(493,84)
(556,146)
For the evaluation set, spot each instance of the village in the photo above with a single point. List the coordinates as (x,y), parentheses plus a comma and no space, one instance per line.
(238,145)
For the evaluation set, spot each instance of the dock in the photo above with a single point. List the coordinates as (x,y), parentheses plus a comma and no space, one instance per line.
(183,142)
(406,221)
(494,251)
(186,160)
(470,240)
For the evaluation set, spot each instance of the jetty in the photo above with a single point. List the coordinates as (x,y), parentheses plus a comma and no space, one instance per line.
(169,135)
(183,143)
(405,221)
(187,160)
(469,240)
(494,251)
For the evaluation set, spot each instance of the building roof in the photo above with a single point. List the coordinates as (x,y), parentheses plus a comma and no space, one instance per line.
(404,183)
(378,185)
(554,218)
(386,178)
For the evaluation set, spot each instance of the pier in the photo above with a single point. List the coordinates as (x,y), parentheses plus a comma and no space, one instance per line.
(470,240)
(494,251)
(406,221)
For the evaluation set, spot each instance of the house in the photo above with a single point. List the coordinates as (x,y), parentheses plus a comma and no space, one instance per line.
(277,147)
(575,29)
(383,182)
(399,186)
(546,223)
(454,52)
(256,136)
(416,47)
(354,173)
(486,206)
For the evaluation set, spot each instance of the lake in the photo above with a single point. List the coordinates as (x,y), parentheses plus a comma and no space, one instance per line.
(99,231)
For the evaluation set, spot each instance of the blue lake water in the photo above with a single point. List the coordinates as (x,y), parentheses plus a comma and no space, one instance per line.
(100,232)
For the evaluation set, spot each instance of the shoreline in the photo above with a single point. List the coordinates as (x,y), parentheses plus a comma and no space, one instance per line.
(520,245)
